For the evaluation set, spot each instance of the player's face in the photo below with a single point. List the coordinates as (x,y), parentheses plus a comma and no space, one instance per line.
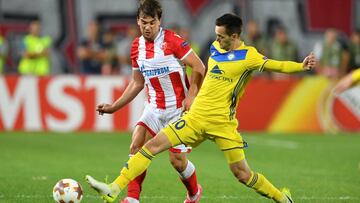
(35,28)
(224,39)
(149,27)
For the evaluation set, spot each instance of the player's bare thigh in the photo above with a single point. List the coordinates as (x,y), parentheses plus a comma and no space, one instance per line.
(139,137)
(158,144)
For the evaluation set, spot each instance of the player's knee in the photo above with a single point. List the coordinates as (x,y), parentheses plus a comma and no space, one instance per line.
(242,174)
(134,148)
(178,161)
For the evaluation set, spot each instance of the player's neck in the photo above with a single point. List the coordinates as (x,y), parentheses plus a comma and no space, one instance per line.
(235,45)
(152,39)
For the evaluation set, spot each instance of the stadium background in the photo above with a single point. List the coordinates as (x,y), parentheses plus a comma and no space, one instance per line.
(40,117)
(65,102)
(65,21)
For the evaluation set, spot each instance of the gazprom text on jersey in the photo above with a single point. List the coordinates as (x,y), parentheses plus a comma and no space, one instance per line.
(155,72)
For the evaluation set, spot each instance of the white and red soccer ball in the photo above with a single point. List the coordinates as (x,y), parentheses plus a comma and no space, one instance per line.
(67,191)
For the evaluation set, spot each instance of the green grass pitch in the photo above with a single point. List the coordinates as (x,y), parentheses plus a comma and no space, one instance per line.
(316,168)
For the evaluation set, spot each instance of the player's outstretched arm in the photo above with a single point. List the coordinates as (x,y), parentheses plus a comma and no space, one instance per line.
(290,66)
(347,81)
(197,76)
(343,84)
(131,91)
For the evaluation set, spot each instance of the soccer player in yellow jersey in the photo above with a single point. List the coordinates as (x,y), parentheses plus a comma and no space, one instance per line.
(348,81)
(212,115)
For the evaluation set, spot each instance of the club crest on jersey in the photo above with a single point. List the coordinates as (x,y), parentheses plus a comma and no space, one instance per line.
(231,56)
(163,46)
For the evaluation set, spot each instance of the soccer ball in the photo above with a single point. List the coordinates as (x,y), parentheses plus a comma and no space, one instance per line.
(67,191)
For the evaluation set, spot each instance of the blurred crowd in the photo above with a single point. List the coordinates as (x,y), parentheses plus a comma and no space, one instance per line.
(337,53)
(106,52)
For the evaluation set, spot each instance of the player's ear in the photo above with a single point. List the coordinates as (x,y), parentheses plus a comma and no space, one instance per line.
(234,36)
(138,21)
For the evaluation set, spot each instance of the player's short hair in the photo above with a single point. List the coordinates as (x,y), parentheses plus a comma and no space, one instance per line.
(231,22)
(150,8)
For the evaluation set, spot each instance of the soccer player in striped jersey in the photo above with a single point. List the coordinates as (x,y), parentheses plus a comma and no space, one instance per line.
(212,115)
(348,81)
(158,57)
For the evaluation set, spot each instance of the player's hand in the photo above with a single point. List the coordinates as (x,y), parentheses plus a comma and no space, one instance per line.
(188,102)
(104,108)
(309,61)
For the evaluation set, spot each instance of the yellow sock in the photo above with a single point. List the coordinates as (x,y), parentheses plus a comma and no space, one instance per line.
(136,165)
(262,186)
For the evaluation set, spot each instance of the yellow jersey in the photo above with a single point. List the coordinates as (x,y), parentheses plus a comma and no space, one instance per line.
(356,75)
(226,78)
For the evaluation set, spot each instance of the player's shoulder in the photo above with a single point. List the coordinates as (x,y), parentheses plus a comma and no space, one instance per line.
(134,47)
(171,33)
(249,48)
(171,36)
(251,51)
(135,42)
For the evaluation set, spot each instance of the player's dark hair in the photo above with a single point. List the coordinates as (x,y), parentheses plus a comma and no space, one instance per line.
(150,8)
(231,22)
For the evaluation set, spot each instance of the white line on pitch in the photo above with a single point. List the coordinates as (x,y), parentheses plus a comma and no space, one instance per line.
(2,196)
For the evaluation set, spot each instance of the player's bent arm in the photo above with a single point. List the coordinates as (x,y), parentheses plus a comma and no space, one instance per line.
(131,91)
(197,76)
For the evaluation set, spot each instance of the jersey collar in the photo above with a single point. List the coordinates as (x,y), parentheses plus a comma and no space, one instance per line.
(159,34)
(217,46)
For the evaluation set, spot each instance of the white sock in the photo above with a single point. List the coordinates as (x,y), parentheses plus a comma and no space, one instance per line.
(132,200)
(189,170)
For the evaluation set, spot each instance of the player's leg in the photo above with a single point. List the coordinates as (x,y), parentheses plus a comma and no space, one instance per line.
(180,132)
(135,166)
(258,182)
(187,173)
(139,137)
(231,143)
(239,167)
(145,129)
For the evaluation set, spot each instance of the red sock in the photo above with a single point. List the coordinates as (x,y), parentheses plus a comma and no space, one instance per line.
(191,184)
(134,187)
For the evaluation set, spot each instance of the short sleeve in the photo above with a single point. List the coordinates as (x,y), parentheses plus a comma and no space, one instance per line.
(134,53)
(255,60)
(180,48)
(356,75)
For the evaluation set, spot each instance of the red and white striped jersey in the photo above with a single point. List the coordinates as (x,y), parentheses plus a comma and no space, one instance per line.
(159,62)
